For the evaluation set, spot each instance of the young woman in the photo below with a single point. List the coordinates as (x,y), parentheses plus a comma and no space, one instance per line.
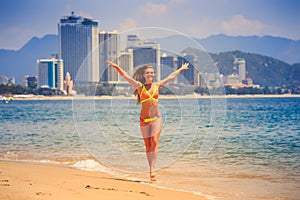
(150,116)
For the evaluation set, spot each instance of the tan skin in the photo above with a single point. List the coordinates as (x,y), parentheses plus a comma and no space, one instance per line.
(150,132)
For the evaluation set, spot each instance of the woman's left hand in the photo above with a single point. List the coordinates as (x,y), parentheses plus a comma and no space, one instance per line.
(184,66)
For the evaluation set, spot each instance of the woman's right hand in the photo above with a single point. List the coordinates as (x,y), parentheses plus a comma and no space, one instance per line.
(130,80)
(114,65)
(117,67)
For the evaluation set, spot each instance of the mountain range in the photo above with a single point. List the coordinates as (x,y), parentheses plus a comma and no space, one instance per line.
(280,54)
(283,49)
(18,63)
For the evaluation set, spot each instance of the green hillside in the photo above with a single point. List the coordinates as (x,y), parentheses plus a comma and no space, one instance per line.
(263,70)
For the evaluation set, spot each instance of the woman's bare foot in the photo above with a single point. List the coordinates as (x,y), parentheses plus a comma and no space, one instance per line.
(152,177)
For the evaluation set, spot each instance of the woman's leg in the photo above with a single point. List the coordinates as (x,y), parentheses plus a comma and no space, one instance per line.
(151,136)
(146,133)
(156,128)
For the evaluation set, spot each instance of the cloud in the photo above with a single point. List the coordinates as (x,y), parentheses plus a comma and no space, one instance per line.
(153,10)
(128,24)
(204,27)
(239,25)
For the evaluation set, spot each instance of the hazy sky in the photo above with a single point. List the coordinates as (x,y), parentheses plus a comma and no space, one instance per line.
(20,20)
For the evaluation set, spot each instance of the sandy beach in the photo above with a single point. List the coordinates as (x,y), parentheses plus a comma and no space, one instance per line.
(34,181)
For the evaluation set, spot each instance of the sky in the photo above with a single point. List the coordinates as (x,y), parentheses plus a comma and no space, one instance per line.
(20,20)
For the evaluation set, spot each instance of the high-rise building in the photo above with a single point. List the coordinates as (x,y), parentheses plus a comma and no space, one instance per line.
(109,48)
(78,47)
(29,81)
(133,40)
(239,73)
(50,73)
(209,80)
(144,52)
(239,64)
(7,80)
(232,79)
(126,61)
(189,76)
(168,65)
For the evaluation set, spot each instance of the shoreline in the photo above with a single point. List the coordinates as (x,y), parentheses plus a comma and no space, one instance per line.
(22,180)
(79,97)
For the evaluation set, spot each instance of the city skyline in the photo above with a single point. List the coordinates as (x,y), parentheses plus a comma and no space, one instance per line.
(198,19)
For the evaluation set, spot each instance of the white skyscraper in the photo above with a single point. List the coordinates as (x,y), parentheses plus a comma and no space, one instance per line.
(50,73)
(240,66)
(78,47)
(109,48)
(126,61)
(144,52)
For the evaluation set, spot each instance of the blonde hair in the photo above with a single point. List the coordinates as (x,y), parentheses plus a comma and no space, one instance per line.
(139,76)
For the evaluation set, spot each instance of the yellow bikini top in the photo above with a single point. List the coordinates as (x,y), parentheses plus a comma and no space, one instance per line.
(146,96)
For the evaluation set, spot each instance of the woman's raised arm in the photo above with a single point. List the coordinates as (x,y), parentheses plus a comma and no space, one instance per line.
(128,78)
(174,74)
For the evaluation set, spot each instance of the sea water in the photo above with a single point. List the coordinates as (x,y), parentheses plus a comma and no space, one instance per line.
(243,148)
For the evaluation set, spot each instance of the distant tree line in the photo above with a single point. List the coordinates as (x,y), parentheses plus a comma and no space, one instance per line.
(12,89)
(105,90)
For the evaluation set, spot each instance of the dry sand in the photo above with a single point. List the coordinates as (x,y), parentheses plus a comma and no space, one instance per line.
(29,181)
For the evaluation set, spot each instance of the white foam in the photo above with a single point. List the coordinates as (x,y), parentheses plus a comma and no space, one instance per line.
(90,165)
(11,155)
(210,197)
(51,162)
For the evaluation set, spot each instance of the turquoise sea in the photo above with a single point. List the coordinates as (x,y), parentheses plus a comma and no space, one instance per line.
(237,148)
